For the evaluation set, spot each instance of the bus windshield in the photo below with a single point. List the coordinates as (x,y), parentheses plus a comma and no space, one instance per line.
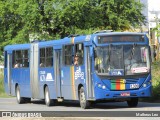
(122,60)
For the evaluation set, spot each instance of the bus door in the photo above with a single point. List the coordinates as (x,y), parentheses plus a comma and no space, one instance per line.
(57,72)
(34,70)
(8,75)
(89,82)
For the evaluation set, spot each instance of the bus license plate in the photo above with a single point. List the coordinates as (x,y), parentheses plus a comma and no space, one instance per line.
(134,86)
(125,94)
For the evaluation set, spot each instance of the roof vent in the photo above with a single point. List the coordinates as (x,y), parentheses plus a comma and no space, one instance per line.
(73,35)
(103,31)
(36,41)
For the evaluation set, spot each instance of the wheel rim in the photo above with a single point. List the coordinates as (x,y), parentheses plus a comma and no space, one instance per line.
(83,99)
(18,95)
(47,97)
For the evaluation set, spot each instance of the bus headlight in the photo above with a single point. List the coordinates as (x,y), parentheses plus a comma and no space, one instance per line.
(147,83)
(101,86)
(144,85)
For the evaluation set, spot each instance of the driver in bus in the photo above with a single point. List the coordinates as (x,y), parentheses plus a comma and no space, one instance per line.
(76,59)
(129,61)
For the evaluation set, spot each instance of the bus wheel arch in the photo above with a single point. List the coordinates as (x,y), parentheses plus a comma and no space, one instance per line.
(16,87)
(79,87)
(45,85)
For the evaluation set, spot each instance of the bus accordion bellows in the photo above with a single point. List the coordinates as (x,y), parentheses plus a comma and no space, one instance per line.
(109,66)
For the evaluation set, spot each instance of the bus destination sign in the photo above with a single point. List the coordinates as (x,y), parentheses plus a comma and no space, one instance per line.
(120,38)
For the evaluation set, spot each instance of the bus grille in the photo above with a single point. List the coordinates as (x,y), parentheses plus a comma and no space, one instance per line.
(131,81)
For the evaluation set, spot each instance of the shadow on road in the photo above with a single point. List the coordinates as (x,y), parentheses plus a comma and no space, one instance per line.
(107,105)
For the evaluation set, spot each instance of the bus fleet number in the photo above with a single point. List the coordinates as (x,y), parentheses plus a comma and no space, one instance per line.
(133,86)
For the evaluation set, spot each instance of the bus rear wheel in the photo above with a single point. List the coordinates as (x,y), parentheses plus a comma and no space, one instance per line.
(48,101)
(20,99)
(27,100)
(133,102)
(82,98)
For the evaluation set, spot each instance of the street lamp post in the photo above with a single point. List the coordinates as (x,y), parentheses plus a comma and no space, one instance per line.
(157,38)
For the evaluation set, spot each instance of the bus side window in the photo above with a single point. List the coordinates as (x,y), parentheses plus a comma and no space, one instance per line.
(46,57)
(20,58)
(25,54)
(17,59)
(5,55)
(49,57)
(68,54)
(79,53)
(42,57)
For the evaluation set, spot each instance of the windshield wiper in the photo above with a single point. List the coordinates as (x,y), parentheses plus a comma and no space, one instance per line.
(109,53)
(133,50)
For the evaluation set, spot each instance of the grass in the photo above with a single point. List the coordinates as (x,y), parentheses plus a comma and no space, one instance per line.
(155,82)
(2,92)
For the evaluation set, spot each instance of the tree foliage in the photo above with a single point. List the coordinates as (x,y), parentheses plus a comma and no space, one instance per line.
(157,29)
(51,19)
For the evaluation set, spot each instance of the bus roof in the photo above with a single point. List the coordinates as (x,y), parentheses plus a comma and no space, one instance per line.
(120,33)
(17,47)
(69,40)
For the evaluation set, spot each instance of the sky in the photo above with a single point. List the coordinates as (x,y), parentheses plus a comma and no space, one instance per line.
(154,5)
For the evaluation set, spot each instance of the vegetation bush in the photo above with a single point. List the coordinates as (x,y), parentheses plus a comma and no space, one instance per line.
(1,83)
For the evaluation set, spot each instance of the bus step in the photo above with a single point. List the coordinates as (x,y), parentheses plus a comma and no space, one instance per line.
(60,99)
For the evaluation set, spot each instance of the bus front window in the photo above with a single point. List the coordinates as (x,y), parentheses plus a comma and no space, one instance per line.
(109,60)
(122,60)
(136,59)
(101,59)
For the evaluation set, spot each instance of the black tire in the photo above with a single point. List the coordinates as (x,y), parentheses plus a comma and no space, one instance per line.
(48,101)
(82,98)
(133,102)
(20,99)
(27,100)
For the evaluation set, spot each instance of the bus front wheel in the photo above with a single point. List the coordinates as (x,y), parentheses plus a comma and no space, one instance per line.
(133,102)
(48,101)
(83,102)
(18,96)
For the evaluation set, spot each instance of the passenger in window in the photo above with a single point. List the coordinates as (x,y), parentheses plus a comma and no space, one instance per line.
(76,59)
(17,65)
(41,64)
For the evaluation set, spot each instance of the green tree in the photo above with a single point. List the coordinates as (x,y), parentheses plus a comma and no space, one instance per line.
(52,19)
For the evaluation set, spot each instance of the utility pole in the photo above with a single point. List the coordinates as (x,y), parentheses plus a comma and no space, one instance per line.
(157,38)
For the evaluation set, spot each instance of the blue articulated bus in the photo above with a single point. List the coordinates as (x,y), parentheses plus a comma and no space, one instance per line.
(104,66)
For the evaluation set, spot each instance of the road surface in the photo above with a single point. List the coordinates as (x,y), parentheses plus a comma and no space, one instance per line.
(72,109)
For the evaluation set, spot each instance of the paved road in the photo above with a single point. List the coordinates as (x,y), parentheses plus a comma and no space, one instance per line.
(39,105)
(10,104)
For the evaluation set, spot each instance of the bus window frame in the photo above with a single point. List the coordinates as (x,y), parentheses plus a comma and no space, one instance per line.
(64,55)
(6,59)
(73,54)
(21,58)
(45,57)
(82,55)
